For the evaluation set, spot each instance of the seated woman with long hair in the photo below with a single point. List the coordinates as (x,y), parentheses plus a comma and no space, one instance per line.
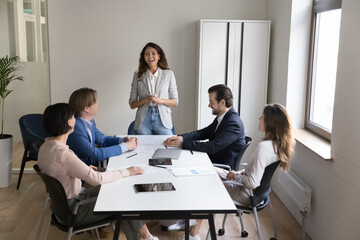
(55,159)
(278,144)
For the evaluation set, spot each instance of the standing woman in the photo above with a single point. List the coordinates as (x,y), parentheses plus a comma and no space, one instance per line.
(153,92)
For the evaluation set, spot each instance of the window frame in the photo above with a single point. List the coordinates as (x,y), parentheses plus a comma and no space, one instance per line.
(20,19)
(318,7)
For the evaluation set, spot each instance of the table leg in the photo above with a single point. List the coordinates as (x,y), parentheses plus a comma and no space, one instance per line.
(212,226)
(117,229)
(187,229)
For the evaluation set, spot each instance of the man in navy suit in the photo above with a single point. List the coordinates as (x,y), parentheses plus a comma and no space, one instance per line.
(82,141)
(225,135)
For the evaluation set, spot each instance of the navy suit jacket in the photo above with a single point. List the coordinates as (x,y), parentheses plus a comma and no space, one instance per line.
(79,141)
(224,144)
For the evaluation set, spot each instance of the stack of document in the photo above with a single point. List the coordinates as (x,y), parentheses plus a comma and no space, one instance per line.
(192,171)
(147,143)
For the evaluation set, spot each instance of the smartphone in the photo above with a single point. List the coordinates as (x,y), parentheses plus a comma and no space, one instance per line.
(154,187)
(160,161)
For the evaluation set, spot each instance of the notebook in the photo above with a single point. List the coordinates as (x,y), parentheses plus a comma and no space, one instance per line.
(167,153)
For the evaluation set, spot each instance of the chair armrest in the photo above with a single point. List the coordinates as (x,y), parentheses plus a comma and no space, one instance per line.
(83,202)
(233,182)
(242,165)
(251,192)
(223,166)
(239,184)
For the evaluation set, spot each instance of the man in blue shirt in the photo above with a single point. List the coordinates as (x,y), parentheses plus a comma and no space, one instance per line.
(85,136)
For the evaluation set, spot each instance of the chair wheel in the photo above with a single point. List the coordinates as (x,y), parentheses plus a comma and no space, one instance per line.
(244,234)
(221,232)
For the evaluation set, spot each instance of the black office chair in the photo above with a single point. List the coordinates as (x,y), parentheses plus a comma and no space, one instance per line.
(131,130)
(33,135)
(62,216)
(238,164)
(259,200)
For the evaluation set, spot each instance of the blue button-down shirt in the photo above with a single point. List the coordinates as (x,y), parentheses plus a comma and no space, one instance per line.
(88,126)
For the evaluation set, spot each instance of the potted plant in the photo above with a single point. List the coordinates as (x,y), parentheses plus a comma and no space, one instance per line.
(8,68)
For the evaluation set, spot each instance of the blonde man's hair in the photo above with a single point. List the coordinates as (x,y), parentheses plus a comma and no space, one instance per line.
(81,98)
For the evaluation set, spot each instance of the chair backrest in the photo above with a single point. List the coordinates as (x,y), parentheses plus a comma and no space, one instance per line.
(59,204)
(248,140)
(131,130)
(32,132)
(262,191)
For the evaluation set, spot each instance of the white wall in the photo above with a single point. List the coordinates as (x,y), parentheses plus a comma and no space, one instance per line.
(300,28)
(97,44)
(30,96)
(279,12)
(334,212)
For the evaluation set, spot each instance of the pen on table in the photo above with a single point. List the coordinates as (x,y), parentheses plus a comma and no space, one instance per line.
(131,155)
(191,151)
(160,166)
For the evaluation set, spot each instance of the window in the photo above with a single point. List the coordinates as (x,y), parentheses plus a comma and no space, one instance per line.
(30,30)
(323,66)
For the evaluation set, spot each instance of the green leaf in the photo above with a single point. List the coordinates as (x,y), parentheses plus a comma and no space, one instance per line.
(8,68)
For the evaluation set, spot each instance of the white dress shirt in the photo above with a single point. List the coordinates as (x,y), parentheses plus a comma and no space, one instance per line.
(151,81)
(219,119)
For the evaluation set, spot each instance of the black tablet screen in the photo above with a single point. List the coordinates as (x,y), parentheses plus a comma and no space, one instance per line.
(154,187)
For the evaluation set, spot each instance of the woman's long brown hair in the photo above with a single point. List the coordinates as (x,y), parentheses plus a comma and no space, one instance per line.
(279,130)
(162,63)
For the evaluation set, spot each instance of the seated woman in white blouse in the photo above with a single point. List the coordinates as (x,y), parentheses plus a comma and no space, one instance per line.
(57,160)
(278,144)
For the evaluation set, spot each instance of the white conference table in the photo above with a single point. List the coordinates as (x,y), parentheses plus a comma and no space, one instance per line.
(195,197)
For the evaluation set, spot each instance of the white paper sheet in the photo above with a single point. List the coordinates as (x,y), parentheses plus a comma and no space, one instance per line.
(144,149)
(192,171)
